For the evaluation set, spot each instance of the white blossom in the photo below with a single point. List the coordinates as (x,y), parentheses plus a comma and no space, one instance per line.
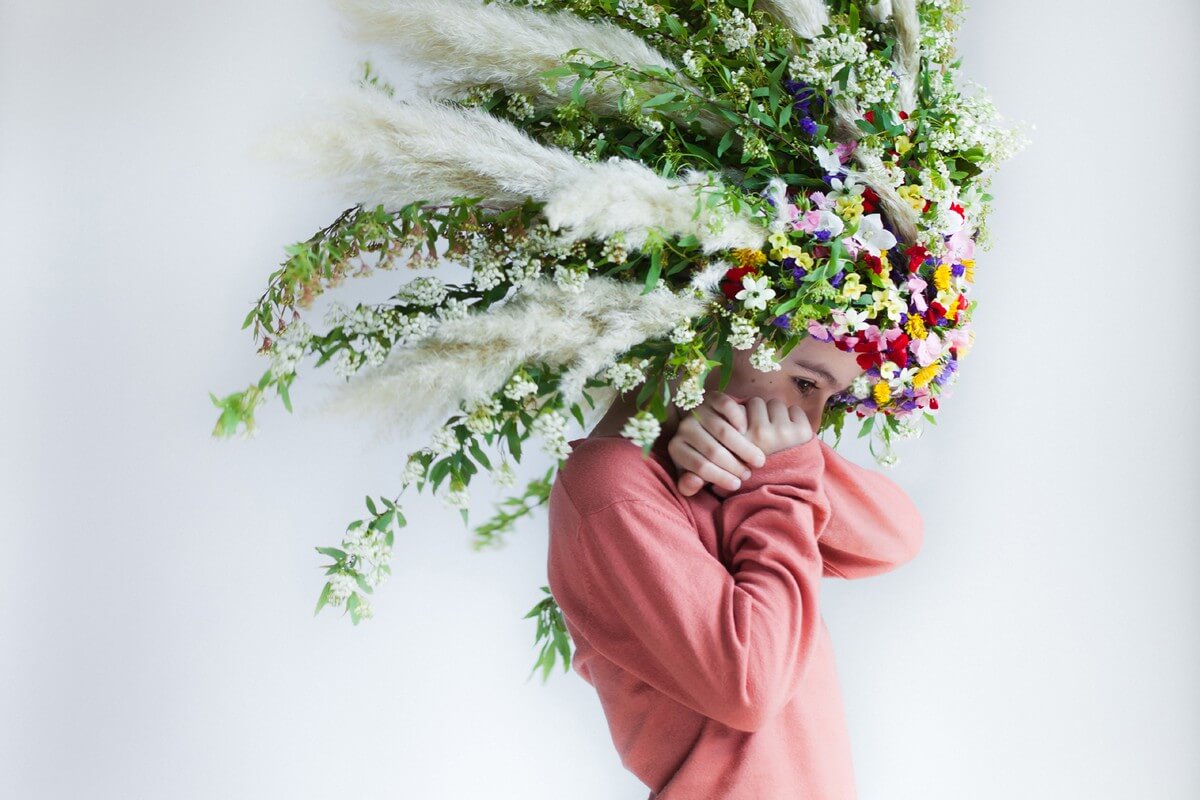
(642,428)
(755,292)
(763,359)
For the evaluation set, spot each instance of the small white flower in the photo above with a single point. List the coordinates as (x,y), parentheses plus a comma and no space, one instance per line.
(743,333)
(681,334)
(625,376)
(504,475)
(457,497)
(444,442)
(341,586)
(642,428)
(519,388)
(860,387)
(763,359)
(413,471)
(756,292)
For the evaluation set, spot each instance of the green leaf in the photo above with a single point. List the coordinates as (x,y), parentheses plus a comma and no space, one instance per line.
(479,455)
(332,552)
(283,393)
(655,269)
(725,142)
(324,598)
(371,506)
(659,99)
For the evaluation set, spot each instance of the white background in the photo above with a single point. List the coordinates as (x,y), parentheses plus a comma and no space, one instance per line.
(157,585)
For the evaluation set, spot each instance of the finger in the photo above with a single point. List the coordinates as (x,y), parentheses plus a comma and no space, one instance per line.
(711,448)
(756,411)
(693,460)
(777,411)
(690,483)
(734,440)
(730,409)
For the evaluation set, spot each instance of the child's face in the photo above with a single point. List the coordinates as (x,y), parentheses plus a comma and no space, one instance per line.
(799,382)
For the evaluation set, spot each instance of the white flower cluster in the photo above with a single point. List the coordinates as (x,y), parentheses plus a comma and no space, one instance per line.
(452,309)
(444,442)
(763,359)
(614,249)
(640,12)
(552,427)
(413,470)
(503,475)
(860,387)
(690,65)
(744,333)
(481,416)
(456,497)
(426,291)
(341,586)
(625,375)
(520,388)
(570,279)
(870,78)
(682,334)
(909,427)
(642,428)
(371,552)
(519,105)
(289,347)
(690,392)
(737,31)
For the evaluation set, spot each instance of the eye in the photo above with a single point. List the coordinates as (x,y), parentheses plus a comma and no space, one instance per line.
(805,386)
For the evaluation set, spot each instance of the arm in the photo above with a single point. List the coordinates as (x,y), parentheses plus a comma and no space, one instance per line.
(873,528)
(648,595)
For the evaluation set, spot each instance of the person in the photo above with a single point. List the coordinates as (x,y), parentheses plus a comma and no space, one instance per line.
(689,581)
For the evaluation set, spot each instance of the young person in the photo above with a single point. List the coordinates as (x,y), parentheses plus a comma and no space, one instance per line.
(695,609)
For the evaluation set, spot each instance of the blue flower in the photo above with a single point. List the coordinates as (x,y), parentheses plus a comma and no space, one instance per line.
(782,321)
(808,126)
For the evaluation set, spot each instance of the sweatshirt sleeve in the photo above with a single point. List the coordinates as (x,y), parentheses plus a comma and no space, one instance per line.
(732,643)
(874,526)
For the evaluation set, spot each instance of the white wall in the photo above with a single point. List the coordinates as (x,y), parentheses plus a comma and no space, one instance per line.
(156,585)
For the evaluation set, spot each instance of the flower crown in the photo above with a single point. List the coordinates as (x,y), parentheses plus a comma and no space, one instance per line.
(685,181)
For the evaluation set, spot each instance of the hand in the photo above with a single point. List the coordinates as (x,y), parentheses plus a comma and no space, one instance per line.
(710,445)
(717,442)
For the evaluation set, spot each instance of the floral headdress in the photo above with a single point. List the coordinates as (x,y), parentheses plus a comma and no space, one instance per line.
(637,190)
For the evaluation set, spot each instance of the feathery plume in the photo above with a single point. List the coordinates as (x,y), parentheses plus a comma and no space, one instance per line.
(469,359)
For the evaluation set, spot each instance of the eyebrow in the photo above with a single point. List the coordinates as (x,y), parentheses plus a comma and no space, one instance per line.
(824,373)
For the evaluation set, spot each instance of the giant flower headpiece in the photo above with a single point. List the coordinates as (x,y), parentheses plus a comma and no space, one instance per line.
(636,190)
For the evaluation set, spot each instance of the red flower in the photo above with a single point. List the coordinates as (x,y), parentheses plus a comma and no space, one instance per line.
(916,256)
(870,201)
(874,262)
(820,251)
(959,209)
(926,208)
(935,312)
(870,117)
(903,115)
(933,403)
(731,284)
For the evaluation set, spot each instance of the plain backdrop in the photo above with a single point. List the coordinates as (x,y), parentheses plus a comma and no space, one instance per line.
(157,585)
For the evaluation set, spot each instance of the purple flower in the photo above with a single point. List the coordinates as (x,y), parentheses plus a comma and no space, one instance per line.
(957,270)
(808,126)
(837,279)
(948,370)
(822,236)
(782,321)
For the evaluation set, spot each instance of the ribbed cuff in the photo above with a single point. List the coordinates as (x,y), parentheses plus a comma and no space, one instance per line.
(786,466)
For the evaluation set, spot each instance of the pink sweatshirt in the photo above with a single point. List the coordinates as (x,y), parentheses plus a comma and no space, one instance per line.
(697,619)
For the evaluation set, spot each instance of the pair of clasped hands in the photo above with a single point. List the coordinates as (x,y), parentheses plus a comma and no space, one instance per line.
(722,439)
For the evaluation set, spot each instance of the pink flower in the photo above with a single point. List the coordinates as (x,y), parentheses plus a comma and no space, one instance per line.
(819,331)
(916,288)
(809,221)
(844,149)
(927,350)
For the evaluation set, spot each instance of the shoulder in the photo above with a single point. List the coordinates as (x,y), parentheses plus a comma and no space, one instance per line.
(606,470)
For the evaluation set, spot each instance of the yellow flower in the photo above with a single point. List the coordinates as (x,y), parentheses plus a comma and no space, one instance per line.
(850,207)
(941,277)
(803,259)
(748,257)
(969,273)
(881,393)
(903,144)
(915,327)
(925,374)
(852,287)
(778,239)
(912,196)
